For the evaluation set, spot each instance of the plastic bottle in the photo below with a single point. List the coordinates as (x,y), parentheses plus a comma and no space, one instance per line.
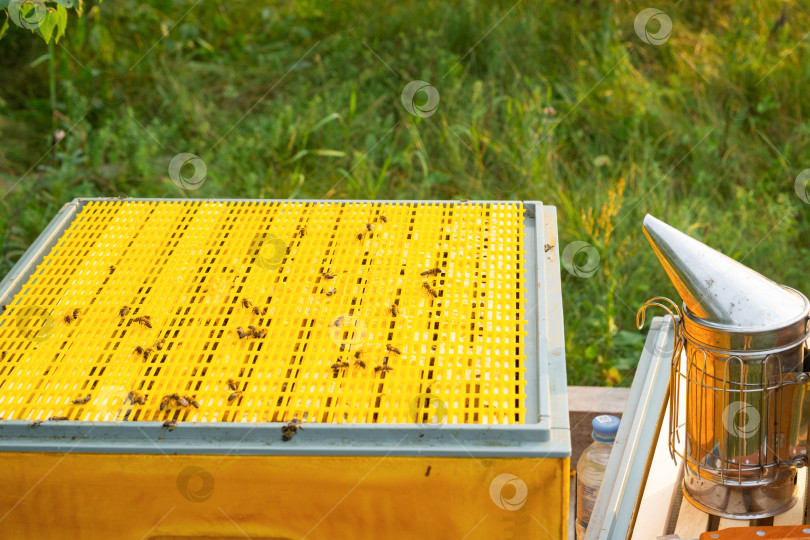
(591,468)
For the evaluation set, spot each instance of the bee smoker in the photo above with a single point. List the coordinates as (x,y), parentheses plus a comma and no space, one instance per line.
(740,347)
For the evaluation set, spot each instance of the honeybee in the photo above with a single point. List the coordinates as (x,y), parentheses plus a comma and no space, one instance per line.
(57,418)
(193,402)
(433,348)
(124,311)
(165,401)
(359,236)
(2,355)
(358,354)
(145,320)
(394,310)
(139,350)
(235,395)
(81,401)
(232,384)
(160,343)
(331,291)
(300,232)
(327,275)
(257,311)
(246,303)
(340,364)
(360,363)
(170,424)
(369,227)
(383,219)
(241,333)
(432,272)
(339,321)
(391,348)
(136,399)
(289,430)
(35,423)
(430,290)
(182,401)
(383,368)
(548,247)
(112,269)
(72,316)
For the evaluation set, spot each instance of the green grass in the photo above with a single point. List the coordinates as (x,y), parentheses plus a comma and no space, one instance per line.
(707,131)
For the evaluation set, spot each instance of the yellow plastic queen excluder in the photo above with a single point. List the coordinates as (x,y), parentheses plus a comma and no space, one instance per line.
(285,369)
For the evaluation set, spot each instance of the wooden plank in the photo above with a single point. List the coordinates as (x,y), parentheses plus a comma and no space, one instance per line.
(691,521)
(663,480)
(726,523)
(795,516)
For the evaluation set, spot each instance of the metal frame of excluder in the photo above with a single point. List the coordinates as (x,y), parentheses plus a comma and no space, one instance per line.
(543,430)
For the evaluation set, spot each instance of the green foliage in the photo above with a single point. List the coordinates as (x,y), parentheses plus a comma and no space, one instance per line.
(554,101)
(48,19)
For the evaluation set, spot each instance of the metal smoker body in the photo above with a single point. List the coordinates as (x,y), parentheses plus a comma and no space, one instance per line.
(740,352)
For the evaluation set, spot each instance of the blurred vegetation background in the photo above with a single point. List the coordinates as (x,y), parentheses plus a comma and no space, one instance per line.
(559,102)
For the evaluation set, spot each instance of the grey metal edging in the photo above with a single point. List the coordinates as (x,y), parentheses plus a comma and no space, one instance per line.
(546,435)
(33,256)
(626,470)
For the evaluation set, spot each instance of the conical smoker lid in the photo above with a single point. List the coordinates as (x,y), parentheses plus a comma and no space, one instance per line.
(717,288)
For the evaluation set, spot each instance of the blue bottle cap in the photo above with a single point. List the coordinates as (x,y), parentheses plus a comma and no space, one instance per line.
(605,427)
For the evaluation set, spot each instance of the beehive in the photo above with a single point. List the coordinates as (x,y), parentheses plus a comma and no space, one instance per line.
(403,332)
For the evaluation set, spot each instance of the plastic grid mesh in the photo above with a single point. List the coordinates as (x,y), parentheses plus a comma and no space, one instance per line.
(189,267)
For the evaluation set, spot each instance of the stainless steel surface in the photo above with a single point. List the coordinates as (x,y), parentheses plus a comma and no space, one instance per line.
(717,288)
(744,339)
(627,468)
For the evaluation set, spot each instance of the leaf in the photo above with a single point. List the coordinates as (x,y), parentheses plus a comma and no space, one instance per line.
(61,22)
(4,27)
(66,3)
(329,153)
(39,60)
(324,121)
(47,25)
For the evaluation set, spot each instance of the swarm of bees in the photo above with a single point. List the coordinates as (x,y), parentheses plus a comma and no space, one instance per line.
(289,430)
(81,401)
(144,320)
(251,332)
(181,401)
(72,316)
(432,272)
